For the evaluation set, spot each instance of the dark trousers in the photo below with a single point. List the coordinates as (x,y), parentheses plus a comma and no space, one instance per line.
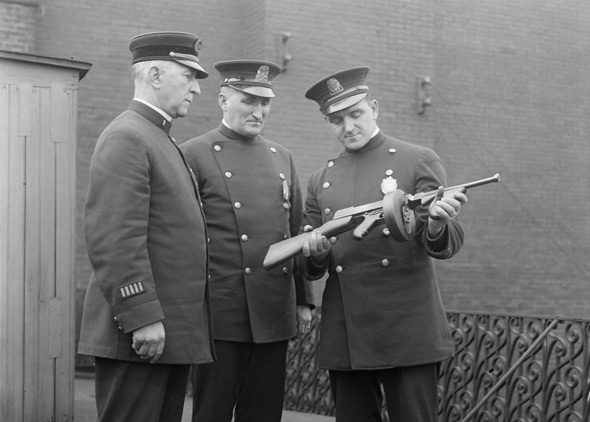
(141,392)
(410,394)
(247,377)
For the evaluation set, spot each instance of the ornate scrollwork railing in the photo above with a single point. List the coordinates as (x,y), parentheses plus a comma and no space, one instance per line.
(506,368)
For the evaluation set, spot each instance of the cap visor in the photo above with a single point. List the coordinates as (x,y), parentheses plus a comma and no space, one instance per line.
(259,91)
(344,103)
(201,73)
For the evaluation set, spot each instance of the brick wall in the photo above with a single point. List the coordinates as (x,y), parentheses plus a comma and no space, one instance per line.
(18,25)
(510,94)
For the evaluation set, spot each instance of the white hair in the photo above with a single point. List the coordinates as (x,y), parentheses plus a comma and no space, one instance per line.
(140,70)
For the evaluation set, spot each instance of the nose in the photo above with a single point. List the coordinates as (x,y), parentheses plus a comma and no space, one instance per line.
(195,88)
(348,124)
(257,112)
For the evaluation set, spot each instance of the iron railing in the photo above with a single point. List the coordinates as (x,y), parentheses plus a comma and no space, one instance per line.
(506,368)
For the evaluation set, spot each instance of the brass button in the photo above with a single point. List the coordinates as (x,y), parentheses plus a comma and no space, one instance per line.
(386,232)
(273,149)
(286,205)
(282,176)
(217,148)
(285,270)
(238,205)
(389,172)
(330,164)
(326,185)
(228,174)
(327,211)
(248,271)
(244,237)
(339,269)
(385,262)
(391,150)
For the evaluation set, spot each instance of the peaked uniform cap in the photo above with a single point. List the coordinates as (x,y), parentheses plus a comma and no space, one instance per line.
(181,47)
(250,76)
(340,90)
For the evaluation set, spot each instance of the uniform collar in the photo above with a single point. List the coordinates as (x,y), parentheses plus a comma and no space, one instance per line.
(376,140)
(228,132)
(151,113)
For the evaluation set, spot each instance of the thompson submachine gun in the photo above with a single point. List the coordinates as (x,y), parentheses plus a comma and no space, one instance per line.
(396,210)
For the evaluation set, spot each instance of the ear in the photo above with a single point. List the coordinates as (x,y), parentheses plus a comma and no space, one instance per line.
(155,76)
(222,100)
(375,107)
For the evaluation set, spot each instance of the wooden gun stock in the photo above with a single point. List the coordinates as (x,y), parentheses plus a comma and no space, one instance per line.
(289,248)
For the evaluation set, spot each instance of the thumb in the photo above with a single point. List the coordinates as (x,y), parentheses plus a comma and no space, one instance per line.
(440,192)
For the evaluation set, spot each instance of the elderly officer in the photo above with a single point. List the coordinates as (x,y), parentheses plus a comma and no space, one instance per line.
(251,196)
(146,314)
(383,321)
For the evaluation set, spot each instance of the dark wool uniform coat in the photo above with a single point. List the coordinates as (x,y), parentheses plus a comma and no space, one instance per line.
(381,307)
(147,242)
(252,199)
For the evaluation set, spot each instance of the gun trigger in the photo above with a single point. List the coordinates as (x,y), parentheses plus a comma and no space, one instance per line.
(369,222)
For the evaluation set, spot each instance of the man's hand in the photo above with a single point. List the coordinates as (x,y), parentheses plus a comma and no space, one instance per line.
(303,319)
(317,246)
(148,341)
(444,208)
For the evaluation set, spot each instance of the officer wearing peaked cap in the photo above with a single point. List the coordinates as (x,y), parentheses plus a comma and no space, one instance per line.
(383,322)
(252,199)
(146,314)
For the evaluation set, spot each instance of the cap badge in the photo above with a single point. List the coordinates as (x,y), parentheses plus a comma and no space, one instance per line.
(334,86)
(262,74)
(197,45)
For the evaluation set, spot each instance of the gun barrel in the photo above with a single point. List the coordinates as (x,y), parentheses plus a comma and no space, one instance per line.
(494,178)
(425,198)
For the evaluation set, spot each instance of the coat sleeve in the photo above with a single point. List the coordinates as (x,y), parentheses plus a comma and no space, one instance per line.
(430,174)
(303,288)
(312,216)
(116,224)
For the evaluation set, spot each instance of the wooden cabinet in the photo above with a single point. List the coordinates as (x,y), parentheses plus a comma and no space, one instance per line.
(38,109)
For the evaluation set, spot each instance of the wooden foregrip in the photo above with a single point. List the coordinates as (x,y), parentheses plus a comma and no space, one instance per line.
(285,250)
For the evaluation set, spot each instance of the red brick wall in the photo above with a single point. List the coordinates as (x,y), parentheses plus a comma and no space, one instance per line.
(510,94)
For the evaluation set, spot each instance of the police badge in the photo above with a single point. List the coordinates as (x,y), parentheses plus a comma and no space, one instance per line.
(388,185)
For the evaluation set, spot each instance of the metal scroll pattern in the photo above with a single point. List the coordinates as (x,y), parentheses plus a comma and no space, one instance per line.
(495,374)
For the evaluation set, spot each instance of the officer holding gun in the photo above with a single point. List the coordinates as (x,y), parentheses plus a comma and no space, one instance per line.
(383,321)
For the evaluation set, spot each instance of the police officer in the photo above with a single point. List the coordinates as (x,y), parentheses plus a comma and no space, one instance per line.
(383,322)
(252,199)
(146,314)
